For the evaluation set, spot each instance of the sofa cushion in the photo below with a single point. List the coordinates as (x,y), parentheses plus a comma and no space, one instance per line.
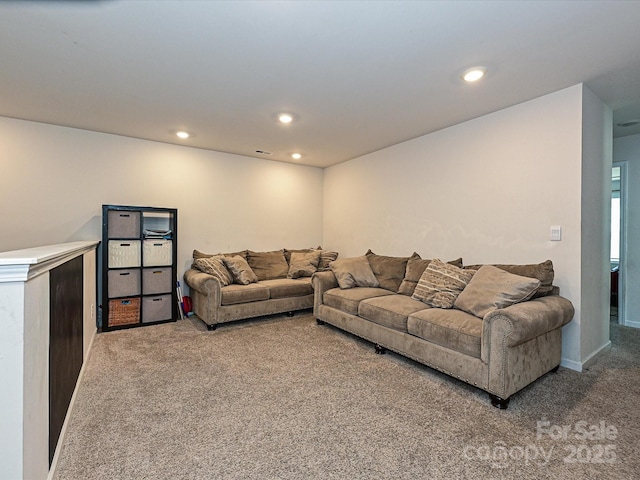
(441,283)
(415,268)
(326,257)
(348,300)
(240,270)
(288,252)
(253,292)
(354,272)
(215,267)
(452,329)
(492,288)
(303,264)
(542,271)
(287,287)
(268,265)
(390,310)
(388,270)
(198,254)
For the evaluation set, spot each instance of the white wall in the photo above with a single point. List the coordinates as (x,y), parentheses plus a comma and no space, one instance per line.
(597,151)
(487,190)
(627,149)
(55,179)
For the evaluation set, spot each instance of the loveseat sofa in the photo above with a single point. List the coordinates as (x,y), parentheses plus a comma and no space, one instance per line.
(497,327)
(247,284)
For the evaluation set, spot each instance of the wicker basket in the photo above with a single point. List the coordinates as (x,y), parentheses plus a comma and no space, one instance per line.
(124,311)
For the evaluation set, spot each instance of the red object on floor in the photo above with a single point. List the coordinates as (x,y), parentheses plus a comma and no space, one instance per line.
(186,304)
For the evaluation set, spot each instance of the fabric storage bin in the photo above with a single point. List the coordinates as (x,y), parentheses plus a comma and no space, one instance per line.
(124,224)
(124,283)
(124,311)
(155,309)
(156,280)
(157,252)
(124,253)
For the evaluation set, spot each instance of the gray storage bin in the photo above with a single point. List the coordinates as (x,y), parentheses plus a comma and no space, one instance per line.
(156,280)
(155,309)
(124,283)
(124,224)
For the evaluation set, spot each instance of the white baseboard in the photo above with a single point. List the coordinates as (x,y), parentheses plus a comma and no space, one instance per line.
(579,366)
(631,324)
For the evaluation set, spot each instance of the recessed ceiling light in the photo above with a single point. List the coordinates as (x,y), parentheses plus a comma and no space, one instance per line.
(628,123)
(473,74)
(296,156)
(183,135)
(285,118)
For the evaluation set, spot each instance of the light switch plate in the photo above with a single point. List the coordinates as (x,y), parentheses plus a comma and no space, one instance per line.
(556,233)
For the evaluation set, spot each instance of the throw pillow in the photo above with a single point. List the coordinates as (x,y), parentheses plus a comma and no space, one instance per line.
(268,265)
(240,270)
(492,288)
(415,268)
(198,254)
(326,257)
(542,271)
(214,266)
(441,283)
(304,264)
(388,270)
(353,272)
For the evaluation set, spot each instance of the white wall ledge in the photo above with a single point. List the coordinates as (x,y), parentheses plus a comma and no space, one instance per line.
(22,265)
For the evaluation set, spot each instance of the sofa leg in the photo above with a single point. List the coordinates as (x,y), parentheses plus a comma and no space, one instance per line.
(289,314)
(496,401)
(211,328)
(320,322)
(555,369)
(380,350)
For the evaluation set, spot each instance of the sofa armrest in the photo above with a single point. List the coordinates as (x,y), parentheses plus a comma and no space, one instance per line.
(206,295)
(322,281)
(524,321)
(202,282)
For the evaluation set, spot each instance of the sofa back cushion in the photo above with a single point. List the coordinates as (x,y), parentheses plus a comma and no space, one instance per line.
(541,271)
(268,265)
(492,288)
(415,268)
(388,270)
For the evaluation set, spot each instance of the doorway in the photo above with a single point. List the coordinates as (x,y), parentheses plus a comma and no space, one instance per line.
(618,244)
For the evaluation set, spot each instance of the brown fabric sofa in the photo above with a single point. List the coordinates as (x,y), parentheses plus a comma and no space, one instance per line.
(273,292)
(501,352)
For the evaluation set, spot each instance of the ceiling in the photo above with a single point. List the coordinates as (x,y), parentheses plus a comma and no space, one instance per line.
(357,75)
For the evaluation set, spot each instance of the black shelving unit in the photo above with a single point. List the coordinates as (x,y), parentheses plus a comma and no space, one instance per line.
(139,266)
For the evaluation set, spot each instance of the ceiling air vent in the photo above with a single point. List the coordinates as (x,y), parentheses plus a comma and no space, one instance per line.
(263,152)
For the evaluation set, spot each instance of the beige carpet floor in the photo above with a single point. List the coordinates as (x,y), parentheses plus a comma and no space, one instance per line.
(284,398)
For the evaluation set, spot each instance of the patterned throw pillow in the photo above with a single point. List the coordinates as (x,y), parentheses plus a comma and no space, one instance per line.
(326,257)
(215,267)
(415,268)
(304,264)
(441,283)
(240,270)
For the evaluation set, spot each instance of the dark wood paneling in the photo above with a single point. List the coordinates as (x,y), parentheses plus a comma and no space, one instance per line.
(65,342)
